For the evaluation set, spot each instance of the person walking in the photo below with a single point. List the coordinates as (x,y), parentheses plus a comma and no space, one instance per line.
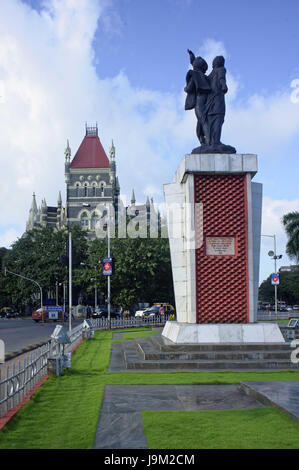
(88,311)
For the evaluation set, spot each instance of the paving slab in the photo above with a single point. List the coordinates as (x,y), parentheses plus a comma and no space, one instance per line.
(120,423)
(283,395)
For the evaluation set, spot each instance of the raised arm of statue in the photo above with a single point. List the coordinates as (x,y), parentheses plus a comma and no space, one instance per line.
(192,56)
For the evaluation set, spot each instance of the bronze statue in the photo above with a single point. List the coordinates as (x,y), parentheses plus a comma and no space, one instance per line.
(205,94)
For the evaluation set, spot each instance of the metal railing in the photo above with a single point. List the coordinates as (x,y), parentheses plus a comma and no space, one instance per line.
(129,322)
(19,377)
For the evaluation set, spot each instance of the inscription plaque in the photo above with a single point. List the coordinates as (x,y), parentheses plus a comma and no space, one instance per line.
(220,246)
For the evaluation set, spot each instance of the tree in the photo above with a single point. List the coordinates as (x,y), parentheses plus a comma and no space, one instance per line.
(142,270)
(291,225)
(288,289)
(36,256)
(4,295)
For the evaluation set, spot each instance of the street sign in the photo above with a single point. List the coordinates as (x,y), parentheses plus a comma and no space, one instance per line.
(275,279)
(53,315)
(107,264)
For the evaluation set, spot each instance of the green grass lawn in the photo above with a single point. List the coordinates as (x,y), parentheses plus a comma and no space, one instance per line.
(256,428)
(64,412)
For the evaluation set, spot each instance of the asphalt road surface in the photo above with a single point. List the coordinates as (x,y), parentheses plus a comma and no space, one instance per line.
(18,333)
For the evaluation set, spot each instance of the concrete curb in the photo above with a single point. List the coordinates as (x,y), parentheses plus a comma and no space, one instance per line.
(14,354)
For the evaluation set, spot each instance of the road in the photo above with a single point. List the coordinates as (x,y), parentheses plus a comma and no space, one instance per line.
(17,333)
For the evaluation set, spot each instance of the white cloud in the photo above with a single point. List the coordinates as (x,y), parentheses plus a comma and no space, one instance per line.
(9,236)
(273,212)
(52,89)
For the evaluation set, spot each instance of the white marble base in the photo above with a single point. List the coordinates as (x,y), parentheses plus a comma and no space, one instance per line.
(218,333)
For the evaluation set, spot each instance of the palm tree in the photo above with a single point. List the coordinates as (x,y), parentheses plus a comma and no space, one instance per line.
(291,225)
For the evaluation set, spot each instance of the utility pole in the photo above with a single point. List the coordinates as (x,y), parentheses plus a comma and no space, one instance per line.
(70,281)
(109,286)
(274,256)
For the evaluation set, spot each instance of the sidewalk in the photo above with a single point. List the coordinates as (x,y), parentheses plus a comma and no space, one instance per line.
(120,422)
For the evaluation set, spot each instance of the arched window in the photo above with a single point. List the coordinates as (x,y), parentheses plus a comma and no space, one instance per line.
(77,189)
(94,220)
(93,190)
(102,190)
(85,190)
(84,220)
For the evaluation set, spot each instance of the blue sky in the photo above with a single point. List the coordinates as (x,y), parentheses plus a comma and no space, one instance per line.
(123,63)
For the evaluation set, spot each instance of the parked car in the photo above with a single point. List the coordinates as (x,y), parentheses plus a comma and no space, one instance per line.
(8,312)
(289,308)
(141,312)
(103,313)
(168,308)
(295,307)
(152,311)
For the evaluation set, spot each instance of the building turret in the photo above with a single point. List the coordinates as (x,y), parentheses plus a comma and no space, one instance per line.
(44,209)
(33,213)
(133,199)
(59,211)
(67,162)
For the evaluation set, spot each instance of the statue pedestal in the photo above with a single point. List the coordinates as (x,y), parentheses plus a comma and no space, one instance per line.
(222,333)
(214,228)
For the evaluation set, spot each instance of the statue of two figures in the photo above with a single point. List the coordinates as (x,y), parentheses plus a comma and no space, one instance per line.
(205,94)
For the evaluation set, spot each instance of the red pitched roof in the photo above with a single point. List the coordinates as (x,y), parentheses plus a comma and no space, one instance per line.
(90,154)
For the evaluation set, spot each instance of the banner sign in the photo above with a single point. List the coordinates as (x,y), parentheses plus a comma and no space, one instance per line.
(107,264)
(275,279)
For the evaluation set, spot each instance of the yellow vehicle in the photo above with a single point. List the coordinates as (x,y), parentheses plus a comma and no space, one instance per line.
(167,307)
(8,312)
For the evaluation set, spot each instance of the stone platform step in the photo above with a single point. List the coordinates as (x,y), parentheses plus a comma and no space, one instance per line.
(146,353)
(164,344)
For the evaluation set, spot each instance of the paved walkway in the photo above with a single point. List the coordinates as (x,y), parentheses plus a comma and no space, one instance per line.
(120,424)
(283,395)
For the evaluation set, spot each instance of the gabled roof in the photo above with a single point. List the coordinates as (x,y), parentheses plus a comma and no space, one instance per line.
(90,154)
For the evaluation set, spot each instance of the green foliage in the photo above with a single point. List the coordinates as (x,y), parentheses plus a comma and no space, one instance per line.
(35,256)
(291,225)
(288,289)
(142,271)
(142,268)
(4,295)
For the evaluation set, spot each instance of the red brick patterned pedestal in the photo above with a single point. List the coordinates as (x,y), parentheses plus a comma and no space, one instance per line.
(214,223)
(222,279)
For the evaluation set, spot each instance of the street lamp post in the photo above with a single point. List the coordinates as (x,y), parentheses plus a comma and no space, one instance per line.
(64,290)
(275,257)
(70,281)
(32,280)
(109,285)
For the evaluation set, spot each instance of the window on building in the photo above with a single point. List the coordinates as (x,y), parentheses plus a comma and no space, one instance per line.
(84,220)
(102,190)
(85,190)
(77,190)
(94,221)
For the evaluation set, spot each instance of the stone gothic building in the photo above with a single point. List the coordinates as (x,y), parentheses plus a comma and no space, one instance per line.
(90,180)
